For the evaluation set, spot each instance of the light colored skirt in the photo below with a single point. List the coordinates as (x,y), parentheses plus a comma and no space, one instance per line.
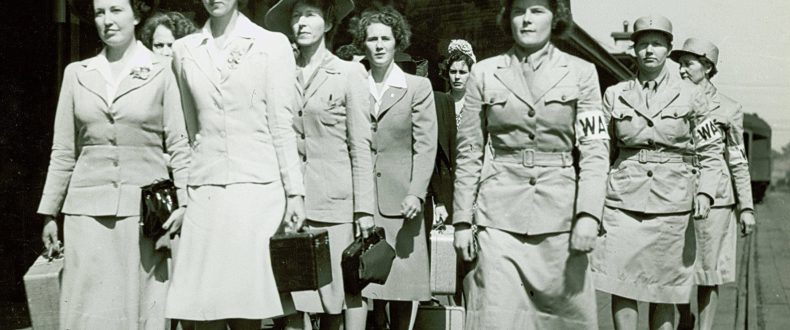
(112,276)
(716,239)
(222,269)
(409,278)
(529,282)
(645,256)
(331,298)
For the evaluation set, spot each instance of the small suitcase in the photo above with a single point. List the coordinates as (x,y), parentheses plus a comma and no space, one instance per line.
(439,317)
(42,286)
(301,261)
(444,262)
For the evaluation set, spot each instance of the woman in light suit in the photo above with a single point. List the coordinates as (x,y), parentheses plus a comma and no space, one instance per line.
(537,206)
(333,133)
(404,149)
(236,83)
(115,117)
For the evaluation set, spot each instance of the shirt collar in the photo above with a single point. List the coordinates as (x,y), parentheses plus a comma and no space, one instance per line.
(536,59)
(242,28)
(396,78)
(140,57)
(662,77)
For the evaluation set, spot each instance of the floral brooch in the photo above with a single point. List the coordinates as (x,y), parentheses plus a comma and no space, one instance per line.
(141,72)
(234,58)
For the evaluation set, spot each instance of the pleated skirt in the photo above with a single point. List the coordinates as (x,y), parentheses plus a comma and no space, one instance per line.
(715,238)
(112,276)
(645,257)
(222,269)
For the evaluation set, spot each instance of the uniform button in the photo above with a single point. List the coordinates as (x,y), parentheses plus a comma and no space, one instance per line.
(300,113)
(112,120)
(302,136)
(694,171)
(650,173)
(531,113)
(115,163)
(491,101)
(531,136)
(650,123)
(373,128)
(378,175)
(304,158)
(650,142)
(112,141)
(532,181)
(374,151)
(115,184)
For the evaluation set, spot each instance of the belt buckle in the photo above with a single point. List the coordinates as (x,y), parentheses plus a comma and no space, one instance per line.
(528,158)
(642,156)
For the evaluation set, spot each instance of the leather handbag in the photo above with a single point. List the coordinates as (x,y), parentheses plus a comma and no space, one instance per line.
(158,201)
(367,260)
(301,260)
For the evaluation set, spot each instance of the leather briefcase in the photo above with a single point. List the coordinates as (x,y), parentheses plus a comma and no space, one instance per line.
(444,262)
(42,286)
(367,261)
(301,260)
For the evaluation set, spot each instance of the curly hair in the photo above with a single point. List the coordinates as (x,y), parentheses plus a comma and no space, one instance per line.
(84,8)
(174,21)
(560,22)
(444,68)
(387,16)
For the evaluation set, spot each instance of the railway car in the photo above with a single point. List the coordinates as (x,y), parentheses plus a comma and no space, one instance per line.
(757,138)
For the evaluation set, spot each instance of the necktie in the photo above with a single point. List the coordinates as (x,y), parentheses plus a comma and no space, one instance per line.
(650,91)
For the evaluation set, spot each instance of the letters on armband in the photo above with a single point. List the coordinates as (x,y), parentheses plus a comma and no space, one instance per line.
(707,132)
(591,125)
(737,155)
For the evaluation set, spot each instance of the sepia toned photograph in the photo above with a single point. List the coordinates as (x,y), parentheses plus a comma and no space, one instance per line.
(394,164)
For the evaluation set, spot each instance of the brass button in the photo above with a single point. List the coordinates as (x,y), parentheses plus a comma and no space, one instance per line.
(115,163)
(564,97)
(650,173)
(112,120)
(378,175)
(533,181)
(302,135)
(694,171)
(650,142)
(304,158)
(531,113)
(650,123)
(300,113)
(531,136)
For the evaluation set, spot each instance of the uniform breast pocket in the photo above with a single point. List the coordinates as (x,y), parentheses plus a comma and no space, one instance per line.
(331,111)
(495,100)
(675,122)
(500,110)
(560,103)
(624,121)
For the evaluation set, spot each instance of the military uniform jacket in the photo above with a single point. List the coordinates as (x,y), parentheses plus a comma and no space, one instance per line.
(333,137)
(240,122)
(660,145)
(728,115)
(531,186)
(104,149)
(404,142)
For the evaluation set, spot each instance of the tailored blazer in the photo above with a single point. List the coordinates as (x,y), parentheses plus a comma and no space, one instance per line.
(333,136)
(442,180)
(531,186)
(241,125)
(404,143)
(735,185)
(104,150)
(669,150)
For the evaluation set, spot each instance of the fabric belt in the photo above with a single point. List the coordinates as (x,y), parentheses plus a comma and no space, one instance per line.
(530,157)
(656,156)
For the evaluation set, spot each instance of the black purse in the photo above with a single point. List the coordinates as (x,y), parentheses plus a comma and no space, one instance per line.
(158,200)
(367,260)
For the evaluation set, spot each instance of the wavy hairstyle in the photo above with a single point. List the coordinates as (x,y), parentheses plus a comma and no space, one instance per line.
(387,16)
(174,21)
(560,22)
(84,8)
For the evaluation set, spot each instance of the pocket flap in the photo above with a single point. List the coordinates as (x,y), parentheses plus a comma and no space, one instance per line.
(676,112)
(496,97)
(566,94)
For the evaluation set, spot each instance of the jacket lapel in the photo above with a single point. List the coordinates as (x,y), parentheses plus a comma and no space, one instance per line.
(512,77)
(199,54)
(137,80)
(93,81)
(664,98)
(633,97)
(391,96)
(550,77)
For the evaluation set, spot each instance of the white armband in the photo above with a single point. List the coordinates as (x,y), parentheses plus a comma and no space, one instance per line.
(707,132)
(590,125)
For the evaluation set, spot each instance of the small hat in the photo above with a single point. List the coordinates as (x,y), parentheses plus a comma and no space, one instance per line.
(84,8)
(652,23)
(279,16)
(698,47)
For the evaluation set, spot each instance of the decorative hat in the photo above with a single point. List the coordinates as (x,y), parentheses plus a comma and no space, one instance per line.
(463,46)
